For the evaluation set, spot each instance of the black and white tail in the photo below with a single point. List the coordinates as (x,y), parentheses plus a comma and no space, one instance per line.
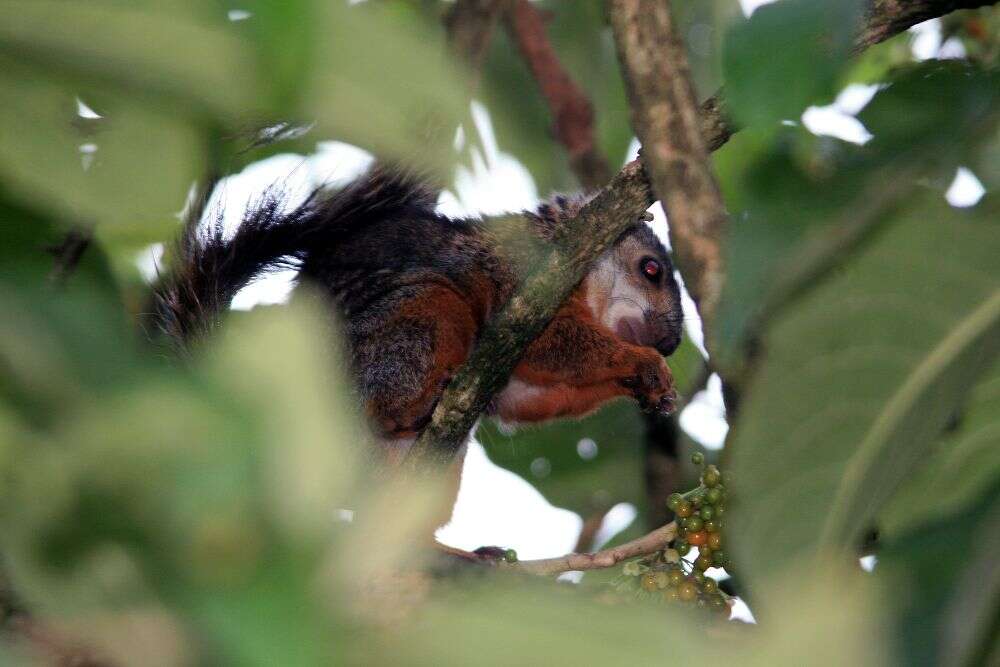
(210,268)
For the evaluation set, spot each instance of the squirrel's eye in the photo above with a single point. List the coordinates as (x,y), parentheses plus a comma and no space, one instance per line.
(651,269)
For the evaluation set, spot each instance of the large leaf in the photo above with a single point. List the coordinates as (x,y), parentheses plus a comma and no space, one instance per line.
(802,202)
(787,56)
(963,466)
(858,379)
(170,55)
(544,625)
(131,168)
(547,456)
(195,492)
(946,586)
(382,81)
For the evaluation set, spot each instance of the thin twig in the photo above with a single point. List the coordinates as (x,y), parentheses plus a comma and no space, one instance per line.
(572,112)
(469,25)
(68,253)
(647,544)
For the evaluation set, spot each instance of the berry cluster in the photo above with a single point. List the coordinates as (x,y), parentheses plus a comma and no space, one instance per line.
(699,518)
(673,584)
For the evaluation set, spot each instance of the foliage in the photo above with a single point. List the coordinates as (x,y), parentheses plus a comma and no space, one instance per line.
(195,498)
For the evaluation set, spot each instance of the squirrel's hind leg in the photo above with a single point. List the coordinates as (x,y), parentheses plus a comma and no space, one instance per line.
(404,360)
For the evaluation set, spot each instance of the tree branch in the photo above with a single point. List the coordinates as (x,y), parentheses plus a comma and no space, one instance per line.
(469,25)
(643,546)
(68,253)
(665,116)
(571,109)
(625,198)
(886,18)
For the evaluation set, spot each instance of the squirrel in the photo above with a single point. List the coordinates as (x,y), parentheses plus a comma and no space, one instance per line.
(413,288)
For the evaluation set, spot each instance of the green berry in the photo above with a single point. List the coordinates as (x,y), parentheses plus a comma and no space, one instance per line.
(711,585)
(697,458)
(719,511)
(648,582)
(719,558)
(675,577)
(693,524)
(674,501)
(711,477)
(718,603)
(699,577)
(688,591)
(714,495)
(706,512)
(713,525)
(510,556)
(714,541)
(703,562)
(684,510)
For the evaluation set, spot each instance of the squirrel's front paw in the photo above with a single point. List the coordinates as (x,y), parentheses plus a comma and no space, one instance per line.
(653,385)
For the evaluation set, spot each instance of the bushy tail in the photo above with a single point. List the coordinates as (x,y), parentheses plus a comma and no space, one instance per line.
(210,268)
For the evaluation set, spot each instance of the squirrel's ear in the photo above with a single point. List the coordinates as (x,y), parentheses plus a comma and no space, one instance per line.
(552,214)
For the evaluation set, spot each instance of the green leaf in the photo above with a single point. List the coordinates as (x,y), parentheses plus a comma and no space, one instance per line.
(567,479)
(857,380)
(964,464)
(801,203)
(383,82)
(134,167)
(168,56)
(946,586)
(787,56)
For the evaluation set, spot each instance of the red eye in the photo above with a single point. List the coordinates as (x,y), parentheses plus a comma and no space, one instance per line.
(651,268)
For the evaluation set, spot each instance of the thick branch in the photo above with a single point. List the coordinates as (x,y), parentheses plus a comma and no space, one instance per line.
(571,109)
(625,198)
(665,116)
(643,546)
(885,18)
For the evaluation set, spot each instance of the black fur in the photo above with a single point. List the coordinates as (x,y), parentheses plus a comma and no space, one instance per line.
(211,269)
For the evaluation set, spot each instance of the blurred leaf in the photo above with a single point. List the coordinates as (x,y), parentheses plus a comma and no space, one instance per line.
(158,54)
(859,378)
(384,83)
(944,104)
(310,420)
(582,41)
(787,56)
(963,466)
(946,585)
(132,168)
(831,620)
(563,476)
(523,129)
(201,490)
(802,203)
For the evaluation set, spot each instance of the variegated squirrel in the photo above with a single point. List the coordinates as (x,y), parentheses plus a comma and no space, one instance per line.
(413,288)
